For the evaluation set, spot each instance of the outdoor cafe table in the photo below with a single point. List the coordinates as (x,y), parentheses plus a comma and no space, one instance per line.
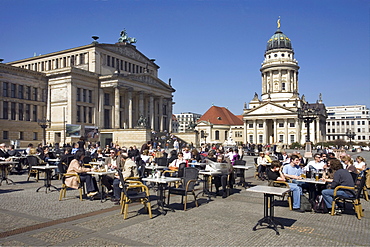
(269,193)
(207,175)
(312,188)
(4,166)
(47,181)
(242,169)
(162,181)
(100,174)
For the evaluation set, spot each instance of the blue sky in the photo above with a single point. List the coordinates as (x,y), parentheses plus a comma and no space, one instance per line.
(212,50)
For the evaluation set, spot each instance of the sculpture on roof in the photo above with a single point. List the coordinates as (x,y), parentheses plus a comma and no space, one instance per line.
(125,39)
(142,122)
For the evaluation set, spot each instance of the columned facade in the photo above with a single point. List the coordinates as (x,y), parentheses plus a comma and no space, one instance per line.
(106,86)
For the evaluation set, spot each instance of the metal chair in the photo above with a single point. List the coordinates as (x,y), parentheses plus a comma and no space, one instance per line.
(32,161)
(283,184)
(188,183)
(133,191)
(355,200)
(62,193)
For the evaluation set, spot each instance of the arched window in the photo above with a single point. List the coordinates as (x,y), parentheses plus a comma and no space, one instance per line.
(217,135)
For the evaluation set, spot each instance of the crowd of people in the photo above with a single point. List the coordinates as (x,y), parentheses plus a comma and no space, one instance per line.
(335,168)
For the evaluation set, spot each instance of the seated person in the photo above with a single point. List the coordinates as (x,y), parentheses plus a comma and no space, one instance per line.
(112,162)
(33,152)
(261,162)
(293,171)
(360,163)
(175,164)
(128,168)
(12,152)
(274,173)
(145,156)
(221,180)
(76,167)
(349,164)
(3,151)
(315,164)
(67,157)
(341,177)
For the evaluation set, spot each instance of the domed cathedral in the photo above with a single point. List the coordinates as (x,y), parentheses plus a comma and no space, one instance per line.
(273,116)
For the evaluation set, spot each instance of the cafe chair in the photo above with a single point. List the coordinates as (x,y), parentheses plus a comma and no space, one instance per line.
(187,186)
(179,173)
(133,190)
(355,200)
(283,184)
(62,193)
(62,169)
(32,161)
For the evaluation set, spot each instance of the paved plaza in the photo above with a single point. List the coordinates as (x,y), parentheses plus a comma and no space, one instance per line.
(30,218)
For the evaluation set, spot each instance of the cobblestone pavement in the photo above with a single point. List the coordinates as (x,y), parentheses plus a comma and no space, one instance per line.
(31,218)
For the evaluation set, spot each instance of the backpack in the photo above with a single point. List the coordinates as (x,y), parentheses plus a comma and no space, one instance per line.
(305,204)
(319,205)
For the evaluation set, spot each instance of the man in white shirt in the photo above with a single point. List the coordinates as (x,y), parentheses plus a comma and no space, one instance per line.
(316,164)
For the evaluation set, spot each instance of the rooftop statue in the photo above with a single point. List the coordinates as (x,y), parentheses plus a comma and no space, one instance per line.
(142,122)
(125,39)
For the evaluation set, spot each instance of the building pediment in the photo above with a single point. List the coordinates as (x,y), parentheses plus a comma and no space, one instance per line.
(270,108)
(128,50)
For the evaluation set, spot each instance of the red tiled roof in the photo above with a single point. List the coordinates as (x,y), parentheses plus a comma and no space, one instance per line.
(222,116)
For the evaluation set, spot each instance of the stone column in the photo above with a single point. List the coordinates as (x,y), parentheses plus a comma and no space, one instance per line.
(161,114)
(169,115)
(288,86)
(141,104)
(117,105)
(255,131)
(265,136)
(245,138)
(151,111)
(286,135)
(298,130)
(129,96)
(280,79)
(101,108)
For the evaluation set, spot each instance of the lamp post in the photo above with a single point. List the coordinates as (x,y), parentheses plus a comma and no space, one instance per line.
(308,114)
(350,134)
(44,123)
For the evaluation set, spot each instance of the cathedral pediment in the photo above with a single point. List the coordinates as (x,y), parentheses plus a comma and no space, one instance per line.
(270,108)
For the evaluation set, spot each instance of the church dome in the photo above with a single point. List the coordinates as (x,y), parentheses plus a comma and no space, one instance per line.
(278,41)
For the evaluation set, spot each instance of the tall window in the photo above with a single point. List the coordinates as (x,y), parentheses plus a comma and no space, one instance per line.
(108,60)
(12,90)
(34,113)
(28,110)
(226,135)
(5,110)
(21,135)
(251,138)
(283,86)
(292,138)
(217,135)
(107,118)
(12,111)
(5,89)
(90,96)
(260,138)
(281,138)
(34,136)
(106,99)
(5,135)
(84,95)
(78,94)
(78,113)
(20,112)
(20,91)
(35,92)
(28,93)
(90,114)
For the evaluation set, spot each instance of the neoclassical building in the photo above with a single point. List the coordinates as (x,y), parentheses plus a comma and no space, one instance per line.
(110,87)
(274,115)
